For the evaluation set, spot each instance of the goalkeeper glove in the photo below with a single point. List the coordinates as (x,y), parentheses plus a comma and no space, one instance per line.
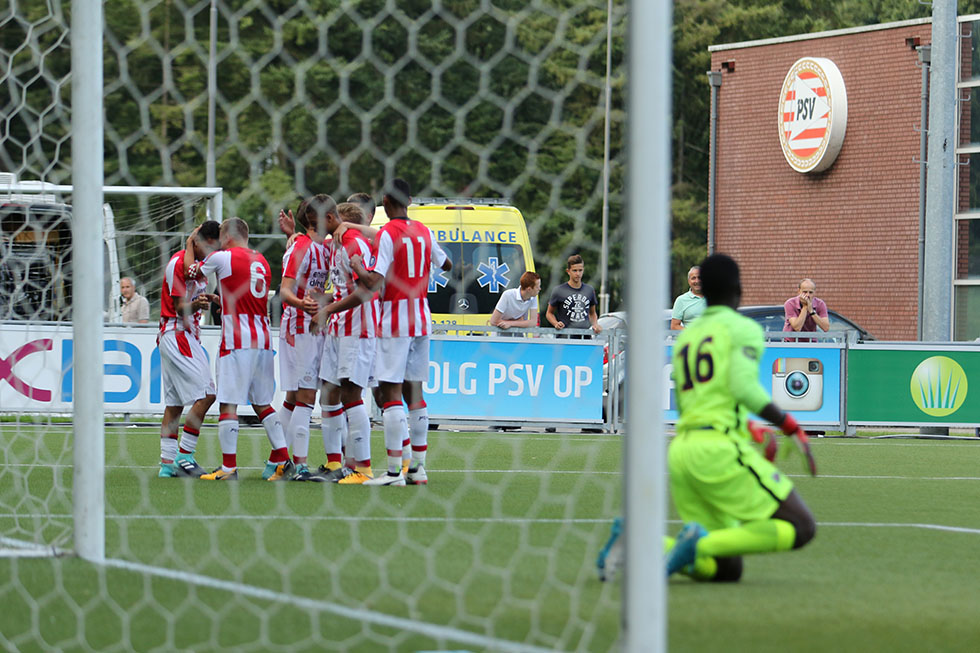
(766,436)
(792,429)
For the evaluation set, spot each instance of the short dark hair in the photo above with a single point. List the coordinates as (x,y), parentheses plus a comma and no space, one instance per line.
(209,230)
(574,259)
(313,208)
(366,202)
(720,278)
(399,192)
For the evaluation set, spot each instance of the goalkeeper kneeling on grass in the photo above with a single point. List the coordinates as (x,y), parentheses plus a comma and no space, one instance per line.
(732,498)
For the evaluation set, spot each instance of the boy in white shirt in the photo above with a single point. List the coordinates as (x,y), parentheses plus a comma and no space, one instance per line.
(518,307)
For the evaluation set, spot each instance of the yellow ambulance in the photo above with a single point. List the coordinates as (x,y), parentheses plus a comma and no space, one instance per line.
(487,241)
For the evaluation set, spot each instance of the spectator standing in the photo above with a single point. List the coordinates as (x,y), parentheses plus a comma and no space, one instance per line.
(691,304)
(573,303)
(804,312)
(518,307)
(135,308)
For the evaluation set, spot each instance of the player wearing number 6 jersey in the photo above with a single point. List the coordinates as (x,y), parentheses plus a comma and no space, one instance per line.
(734,501)
(245,360)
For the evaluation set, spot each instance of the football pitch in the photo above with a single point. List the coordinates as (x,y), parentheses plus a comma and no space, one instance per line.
(499,548)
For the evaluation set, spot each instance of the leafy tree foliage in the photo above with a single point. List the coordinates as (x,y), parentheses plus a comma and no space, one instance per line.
(462,97)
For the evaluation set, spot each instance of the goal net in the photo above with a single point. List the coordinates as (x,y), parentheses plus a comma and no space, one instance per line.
(463,98)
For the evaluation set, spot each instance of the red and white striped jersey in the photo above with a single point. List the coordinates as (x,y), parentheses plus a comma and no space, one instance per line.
(175,285)
(243,277)
(306,262)
(361,320)
(406,252)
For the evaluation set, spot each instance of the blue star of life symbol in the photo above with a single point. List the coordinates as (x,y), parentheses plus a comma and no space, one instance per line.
(437,277)
(493,275)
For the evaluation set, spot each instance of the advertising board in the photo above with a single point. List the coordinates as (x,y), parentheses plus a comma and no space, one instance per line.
(913,385)
(532,379)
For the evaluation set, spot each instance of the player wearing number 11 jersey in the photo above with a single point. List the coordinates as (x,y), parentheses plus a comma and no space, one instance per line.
(245,359)
(406,252)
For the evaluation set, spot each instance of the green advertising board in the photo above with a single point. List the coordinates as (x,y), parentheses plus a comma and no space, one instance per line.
(913,386)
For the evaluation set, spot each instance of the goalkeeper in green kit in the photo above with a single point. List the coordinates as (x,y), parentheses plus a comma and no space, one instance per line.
(732,498)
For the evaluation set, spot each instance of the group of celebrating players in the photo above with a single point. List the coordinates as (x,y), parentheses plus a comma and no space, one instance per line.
(373,334)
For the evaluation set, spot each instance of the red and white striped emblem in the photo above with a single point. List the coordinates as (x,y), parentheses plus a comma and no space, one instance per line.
(812,114)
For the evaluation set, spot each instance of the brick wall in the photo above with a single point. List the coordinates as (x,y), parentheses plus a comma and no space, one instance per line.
(853,228)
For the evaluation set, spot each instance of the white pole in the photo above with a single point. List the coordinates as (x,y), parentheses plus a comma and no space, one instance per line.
(212,92)
(604,251)
(648,188)
(87,271)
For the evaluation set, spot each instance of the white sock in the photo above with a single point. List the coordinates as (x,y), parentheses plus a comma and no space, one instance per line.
(359,426)
(285,415)
(168,449)
(299,428)
(396,430)
(188,441)
(273,430)
(332,427)
(418,425)
(228,437)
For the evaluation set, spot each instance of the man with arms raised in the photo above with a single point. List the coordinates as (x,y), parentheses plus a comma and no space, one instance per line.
(184,368)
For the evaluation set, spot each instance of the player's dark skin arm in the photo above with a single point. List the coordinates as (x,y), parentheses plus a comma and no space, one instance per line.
(367,283)
(200,302)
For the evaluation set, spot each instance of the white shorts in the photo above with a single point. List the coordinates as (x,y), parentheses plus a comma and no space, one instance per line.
(299,363)
(328,363)
(247,376)
(184,369)
(355,360)
(402,359)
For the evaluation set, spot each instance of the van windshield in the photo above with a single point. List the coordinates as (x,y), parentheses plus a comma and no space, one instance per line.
(481,271)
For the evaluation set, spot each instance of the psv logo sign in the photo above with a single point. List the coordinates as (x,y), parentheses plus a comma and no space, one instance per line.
(812,114)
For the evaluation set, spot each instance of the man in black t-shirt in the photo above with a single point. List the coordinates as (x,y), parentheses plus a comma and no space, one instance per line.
(573,304)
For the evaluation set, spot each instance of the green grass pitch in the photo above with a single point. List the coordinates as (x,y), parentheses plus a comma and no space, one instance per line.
(501,543)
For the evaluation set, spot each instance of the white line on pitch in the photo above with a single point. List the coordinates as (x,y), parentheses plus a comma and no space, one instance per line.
(870,477)
(931,527)
(339,518)
(440,633)
(462,520)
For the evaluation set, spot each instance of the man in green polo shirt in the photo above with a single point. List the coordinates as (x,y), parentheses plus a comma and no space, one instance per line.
(733,500)
(689,305)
